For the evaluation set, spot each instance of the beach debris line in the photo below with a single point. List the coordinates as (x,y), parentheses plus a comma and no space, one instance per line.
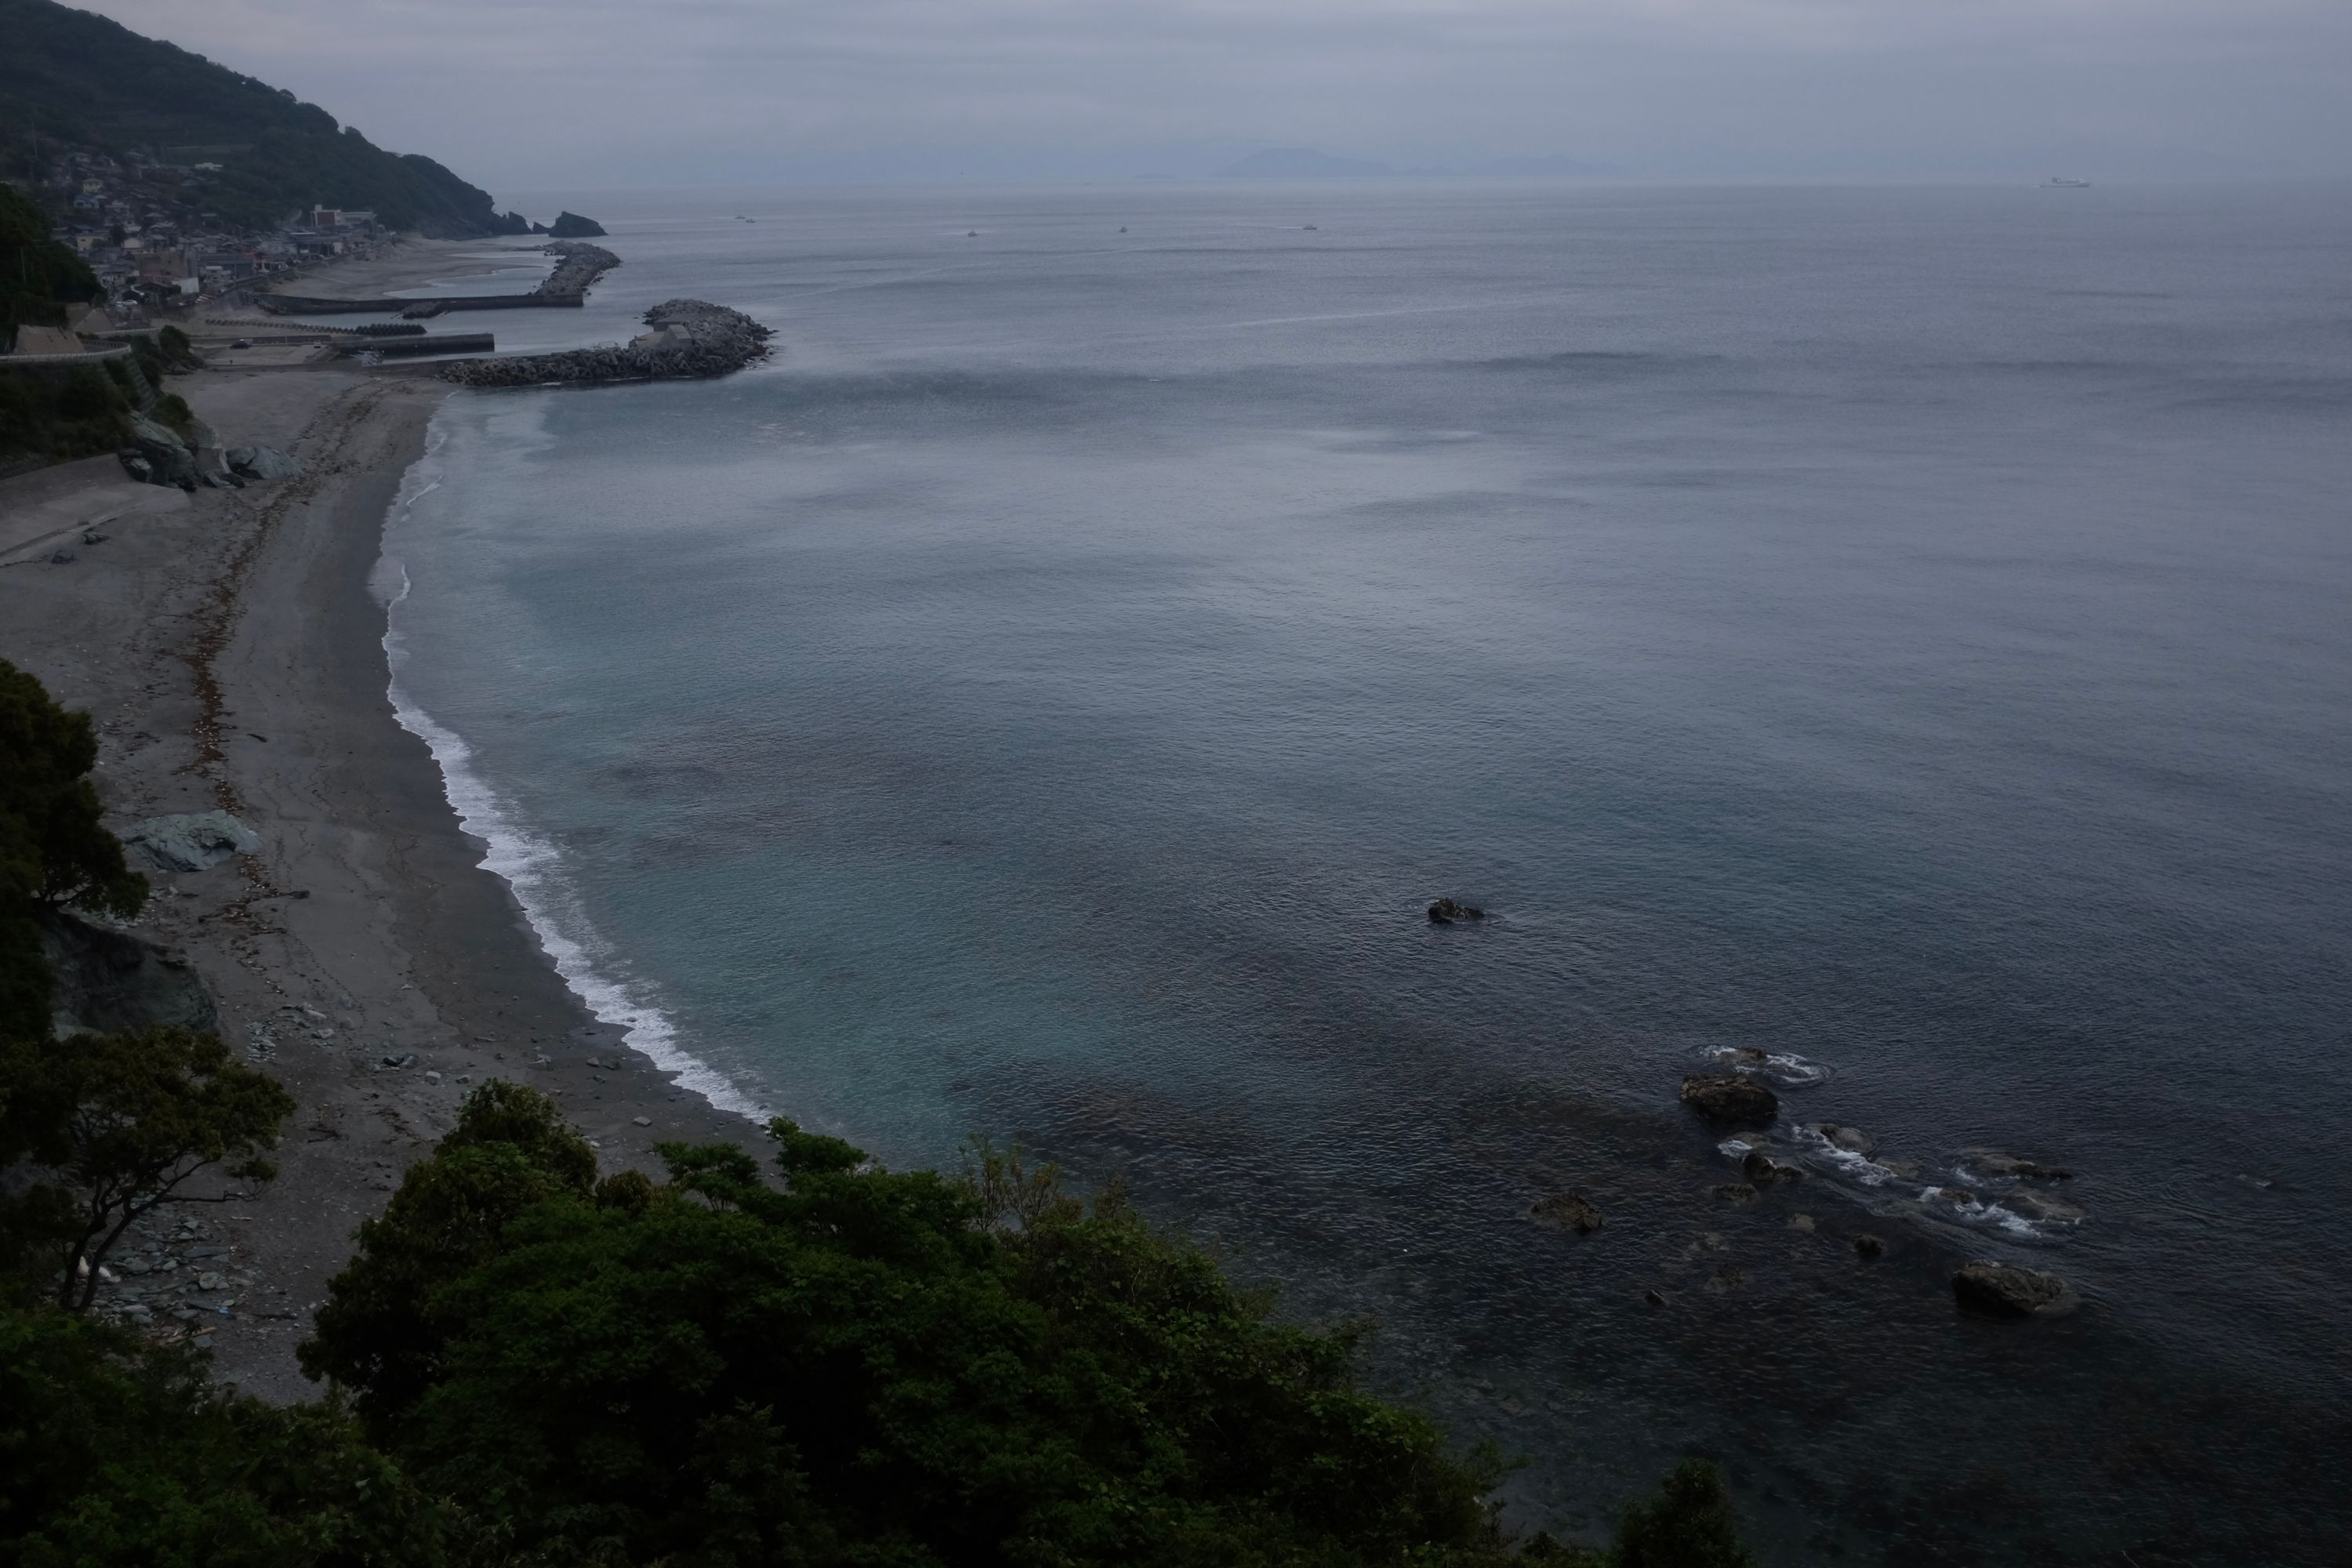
(689,338)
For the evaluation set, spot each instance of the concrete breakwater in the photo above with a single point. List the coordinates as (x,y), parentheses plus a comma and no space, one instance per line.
(578,265)
(688,338)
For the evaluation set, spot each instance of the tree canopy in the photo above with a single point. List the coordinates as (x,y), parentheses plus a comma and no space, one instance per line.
(54,848)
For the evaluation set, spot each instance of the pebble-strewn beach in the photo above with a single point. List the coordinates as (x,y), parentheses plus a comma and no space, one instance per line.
(228,647)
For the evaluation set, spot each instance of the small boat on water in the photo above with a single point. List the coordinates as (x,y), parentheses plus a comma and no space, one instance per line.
(1310,228)
(2061,182)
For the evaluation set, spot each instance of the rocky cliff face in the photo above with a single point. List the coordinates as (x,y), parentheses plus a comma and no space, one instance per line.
(689,338)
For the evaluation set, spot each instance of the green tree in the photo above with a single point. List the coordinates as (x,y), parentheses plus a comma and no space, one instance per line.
(116,1453)
(377,1334)
(112,1126)
(54,848)
(856,1367)
(1688,1524)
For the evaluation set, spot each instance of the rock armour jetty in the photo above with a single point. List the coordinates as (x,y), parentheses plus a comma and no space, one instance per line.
(689,338)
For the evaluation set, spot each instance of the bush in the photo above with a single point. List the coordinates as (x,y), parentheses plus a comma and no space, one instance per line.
(87,394)
(173,410)
(116,1452)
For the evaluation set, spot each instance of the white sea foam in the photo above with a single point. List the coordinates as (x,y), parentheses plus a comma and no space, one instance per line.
(528,863)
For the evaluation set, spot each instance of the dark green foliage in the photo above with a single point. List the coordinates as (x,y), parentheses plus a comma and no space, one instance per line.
(88,392)
(172,410)
(861,1367)
(1689,1524)
(117,1124)
(510,1151)
(32,424)
(71,77)
(38,275)
(53,847)
(114,1452)
(176,350)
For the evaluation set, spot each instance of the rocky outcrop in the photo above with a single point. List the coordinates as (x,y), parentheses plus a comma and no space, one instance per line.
(571,226)
(2005,1290)
(194,842)
(689,338)
(1729,1099)
(108,981)
(1766,1171)
(1853,1139)
(1868,1246)
(577,266)
(260,463)
(2041,1208)
(1445,911)
(162,456)
(1568,1211)
(1998,1163)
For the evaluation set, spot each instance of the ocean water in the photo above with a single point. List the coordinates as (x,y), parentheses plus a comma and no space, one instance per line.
(1903,631)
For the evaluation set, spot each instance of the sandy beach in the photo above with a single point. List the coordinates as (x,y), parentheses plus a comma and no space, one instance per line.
(412,262)
(228,646)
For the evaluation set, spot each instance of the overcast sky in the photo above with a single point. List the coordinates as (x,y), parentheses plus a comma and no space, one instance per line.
(523,93)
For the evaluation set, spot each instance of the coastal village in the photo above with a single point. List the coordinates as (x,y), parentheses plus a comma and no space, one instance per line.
(140,224)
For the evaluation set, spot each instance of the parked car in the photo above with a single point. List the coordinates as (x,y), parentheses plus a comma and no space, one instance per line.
(242,343)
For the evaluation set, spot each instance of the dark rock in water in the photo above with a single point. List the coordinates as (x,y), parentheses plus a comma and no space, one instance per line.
(539,228)
(2040,1206)
(1736,1193)
(571,226)
(1730,1098)
(1445,911)
(1568,1211)
(1868,1246)
(1853,1139)
(1907,1169)
(109,981)
(1994,1163)
(2005,1290)
(1655,1297)
(63,557)
(1765,1171)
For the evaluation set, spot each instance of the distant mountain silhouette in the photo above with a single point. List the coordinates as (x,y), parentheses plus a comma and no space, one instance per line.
(1543,165)
(1300,163)
(71,80)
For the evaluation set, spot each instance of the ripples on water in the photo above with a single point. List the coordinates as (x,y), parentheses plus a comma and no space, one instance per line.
(1900,632)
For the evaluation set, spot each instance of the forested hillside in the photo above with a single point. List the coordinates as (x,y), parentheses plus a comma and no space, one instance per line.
(69,78)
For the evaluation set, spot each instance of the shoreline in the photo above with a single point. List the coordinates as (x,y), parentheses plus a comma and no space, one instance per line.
(233,656)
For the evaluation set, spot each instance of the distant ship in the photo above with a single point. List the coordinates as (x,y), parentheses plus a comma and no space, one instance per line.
(2062,183)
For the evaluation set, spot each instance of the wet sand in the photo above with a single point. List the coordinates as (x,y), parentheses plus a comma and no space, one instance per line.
(229,648)
(412,263)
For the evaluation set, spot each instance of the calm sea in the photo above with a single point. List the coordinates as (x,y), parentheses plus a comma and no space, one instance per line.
(1906,631)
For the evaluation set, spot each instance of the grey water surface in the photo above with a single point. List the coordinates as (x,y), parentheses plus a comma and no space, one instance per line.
(1903,630)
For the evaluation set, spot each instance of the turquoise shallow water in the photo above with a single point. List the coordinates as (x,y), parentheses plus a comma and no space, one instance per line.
(1900,630)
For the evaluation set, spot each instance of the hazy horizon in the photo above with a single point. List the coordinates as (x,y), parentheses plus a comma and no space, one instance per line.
(718,93)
